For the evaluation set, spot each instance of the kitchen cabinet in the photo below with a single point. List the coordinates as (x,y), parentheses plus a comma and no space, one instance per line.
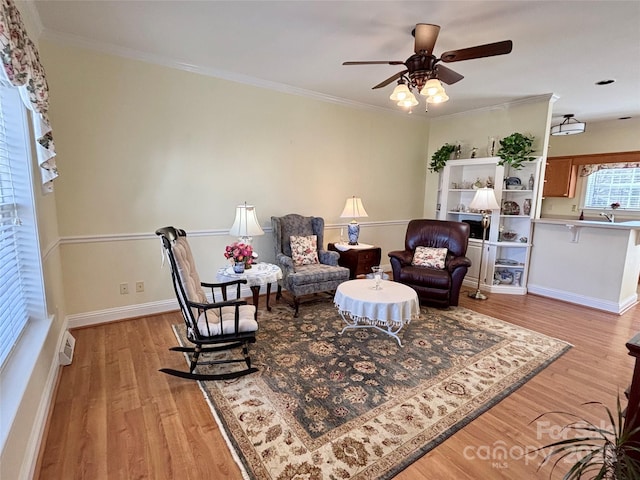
(560,177)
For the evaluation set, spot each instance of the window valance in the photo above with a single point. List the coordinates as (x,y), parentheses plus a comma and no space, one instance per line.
(22,69)
(586,170)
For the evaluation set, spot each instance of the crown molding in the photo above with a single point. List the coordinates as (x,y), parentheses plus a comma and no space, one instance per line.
(109,49)
(545,97)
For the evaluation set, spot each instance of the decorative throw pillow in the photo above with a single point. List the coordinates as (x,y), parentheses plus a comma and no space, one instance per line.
(429,257)
(304,250)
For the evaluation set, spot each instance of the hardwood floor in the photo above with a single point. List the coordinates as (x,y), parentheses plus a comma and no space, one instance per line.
(116,417)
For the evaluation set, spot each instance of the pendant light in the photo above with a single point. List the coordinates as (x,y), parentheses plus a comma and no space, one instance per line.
(569,126)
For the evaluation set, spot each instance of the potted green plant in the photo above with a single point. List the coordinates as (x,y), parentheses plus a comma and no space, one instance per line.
(596,452)
(515,150)
(440,157)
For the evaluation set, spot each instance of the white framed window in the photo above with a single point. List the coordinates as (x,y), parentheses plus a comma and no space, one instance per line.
(21,289)
(613,185)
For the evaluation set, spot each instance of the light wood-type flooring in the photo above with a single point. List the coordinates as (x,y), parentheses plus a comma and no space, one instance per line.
(116,417)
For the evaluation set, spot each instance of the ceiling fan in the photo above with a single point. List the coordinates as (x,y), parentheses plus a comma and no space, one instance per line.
(423,70)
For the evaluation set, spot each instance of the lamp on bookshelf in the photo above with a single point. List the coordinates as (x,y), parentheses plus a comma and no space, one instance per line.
(484,201)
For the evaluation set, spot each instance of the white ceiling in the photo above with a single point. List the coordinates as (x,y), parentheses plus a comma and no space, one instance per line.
(560,47)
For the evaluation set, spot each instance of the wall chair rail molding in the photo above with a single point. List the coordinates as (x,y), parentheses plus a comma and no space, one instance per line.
(120,237)
(219,232)
(49,249)
(88,318)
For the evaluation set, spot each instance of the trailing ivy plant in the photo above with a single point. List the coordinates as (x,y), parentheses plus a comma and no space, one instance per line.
(515,150)
(440,157)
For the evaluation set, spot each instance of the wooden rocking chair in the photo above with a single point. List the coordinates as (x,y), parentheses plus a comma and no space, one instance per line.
(211,327)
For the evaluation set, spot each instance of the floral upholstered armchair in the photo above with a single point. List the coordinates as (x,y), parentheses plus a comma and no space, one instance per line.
(306,267)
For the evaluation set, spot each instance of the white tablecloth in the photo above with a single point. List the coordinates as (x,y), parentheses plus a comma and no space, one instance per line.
(258,274)
(393,304)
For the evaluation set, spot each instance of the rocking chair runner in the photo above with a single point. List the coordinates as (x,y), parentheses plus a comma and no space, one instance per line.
(224,325)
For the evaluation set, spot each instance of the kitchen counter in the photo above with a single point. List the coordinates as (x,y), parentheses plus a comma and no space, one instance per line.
(626,225)
(590,263)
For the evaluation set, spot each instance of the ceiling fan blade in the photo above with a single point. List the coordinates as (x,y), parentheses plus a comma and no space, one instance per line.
(480,51)
(447,75)
(376,62)
(389,80)
(426,35)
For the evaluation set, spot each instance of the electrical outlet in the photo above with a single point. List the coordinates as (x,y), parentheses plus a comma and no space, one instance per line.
(139,287)
(574,208)
(124,289)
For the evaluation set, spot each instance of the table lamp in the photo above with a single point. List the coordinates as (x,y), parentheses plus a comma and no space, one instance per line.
(353,209)
(484,201)
(246,226)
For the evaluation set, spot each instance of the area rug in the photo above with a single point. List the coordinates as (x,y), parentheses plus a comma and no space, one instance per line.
(326,405)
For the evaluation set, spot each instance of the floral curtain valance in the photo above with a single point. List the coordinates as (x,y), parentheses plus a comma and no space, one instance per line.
(22,69)
(586,170)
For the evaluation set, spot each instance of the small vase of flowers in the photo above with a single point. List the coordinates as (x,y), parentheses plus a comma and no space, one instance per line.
(240,255)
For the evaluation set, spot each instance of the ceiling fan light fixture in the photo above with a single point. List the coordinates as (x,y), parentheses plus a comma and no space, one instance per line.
(408,102)
(432,87)
(422,70)
(569,126)
(439,97)
(401,92)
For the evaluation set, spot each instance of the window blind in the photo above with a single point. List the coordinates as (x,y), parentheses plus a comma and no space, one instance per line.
(20,269)
(621,185)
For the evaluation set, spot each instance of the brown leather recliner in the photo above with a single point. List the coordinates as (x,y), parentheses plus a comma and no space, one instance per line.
(434,286)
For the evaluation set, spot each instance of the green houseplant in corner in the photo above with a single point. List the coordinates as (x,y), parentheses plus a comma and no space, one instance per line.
(440,157)
(515,150)
(596,452)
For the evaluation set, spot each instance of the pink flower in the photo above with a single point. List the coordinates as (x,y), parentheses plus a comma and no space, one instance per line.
(239,252)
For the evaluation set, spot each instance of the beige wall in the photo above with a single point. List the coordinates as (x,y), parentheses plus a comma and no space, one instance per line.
(600,137)
(473,129)
(143,146)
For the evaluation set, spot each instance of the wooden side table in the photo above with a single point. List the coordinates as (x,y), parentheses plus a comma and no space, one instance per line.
(358,260)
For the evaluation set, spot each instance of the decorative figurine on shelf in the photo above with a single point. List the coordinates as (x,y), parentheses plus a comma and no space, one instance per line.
(531,182)
(474,151)
(458,151)
(491,147)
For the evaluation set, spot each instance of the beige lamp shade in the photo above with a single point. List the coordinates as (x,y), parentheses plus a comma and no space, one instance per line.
(246,222)
(485,199)
(353,208)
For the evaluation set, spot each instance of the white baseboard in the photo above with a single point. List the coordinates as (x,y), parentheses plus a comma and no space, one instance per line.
(504,289)
(116,314)
(597,303)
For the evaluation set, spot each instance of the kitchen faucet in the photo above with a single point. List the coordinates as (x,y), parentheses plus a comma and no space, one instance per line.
(608,216)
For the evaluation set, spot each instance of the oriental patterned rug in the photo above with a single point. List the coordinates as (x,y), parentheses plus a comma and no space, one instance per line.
(359,406)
